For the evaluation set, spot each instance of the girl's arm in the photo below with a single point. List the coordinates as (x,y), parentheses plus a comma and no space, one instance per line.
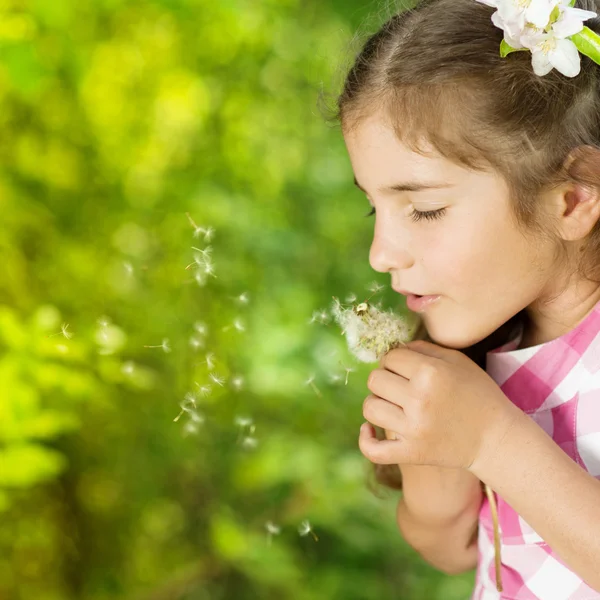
(557,497)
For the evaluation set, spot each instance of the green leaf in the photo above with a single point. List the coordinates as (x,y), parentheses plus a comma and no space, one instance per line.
(588,43)
(506,49)
(572,3)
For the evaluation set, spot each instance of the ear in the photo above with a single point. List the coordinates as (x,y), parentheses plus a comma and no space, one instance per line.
(577,205)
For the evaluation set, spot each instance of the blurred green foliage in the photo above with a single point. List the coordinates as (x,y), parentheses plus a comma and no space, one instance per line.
(126,128)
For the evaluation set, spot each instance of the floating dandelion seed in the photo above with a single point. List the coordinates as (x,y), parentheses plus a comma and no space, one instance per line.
(249,442)
(272,530)
(311,381)
(128,268)
(305,529)
(196,343)
(204,390)
(207,232)
(320,316)
(243,298)
(370,332)
(348,370)
(237,382)
(375,287)
(210,360)
(187,406)
(64,331)
(127,367)
(217,379)
(335,378)
(351,298)
(201,327)
(237,324)
(165,345)
(190,428)
(205,253)
(242,422)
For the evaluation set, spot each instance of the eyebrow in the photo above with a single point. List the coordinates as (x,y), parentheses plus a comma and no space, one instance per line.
(406,187)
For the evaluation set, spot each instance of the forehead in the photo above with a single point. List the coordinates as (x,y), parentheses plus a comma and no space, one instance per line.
(377,155)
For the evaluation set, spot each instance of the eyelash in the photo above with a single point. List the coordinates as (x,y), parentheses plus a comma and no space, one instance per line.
(416,215)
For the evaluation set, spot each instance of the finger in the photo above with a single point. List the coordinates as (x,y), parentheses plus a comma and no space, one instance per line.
(382,452)
(384,414)
(406,361)
(389,386)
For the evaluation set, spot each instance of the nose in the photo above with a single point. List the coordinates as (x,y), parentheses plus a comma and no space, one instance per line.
(388,251)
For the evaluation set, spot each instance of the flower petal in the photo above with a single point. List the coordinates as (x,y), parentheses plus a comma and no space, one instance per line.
(565,58)
(538,12)
(566,26)
(541,64)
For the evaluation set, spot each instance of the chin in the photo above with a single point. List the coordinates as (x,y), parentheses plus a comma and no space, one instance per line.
(453,340)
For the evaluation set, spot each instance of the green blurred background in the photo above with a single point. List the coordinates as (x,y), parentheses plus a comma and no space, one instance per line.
(133,132)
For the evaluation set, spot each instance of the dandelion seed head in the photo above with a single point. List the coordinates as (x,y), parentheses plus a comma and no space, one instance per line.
(370,332)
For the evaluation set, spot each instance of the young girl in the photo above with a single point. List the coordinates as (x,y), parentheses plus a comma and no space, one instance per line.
(484,172)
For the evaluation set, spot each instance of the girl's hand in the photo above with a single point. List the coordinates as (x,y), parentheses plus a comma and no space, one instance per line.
(443,409)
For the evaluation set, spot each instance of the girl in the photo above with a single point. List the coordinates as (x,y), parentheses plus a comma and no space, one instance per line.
(484,172)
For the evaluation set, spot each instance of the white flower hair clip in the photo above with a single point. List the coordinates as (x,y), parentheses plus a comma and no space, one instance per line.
(552,30)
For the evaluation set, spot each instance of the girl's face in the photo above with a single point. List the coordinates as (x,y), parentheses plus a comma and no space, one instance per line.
(470,252)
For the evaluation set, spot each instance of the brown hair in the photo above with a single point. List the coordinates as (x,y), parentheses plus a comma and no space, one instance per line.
(435,74)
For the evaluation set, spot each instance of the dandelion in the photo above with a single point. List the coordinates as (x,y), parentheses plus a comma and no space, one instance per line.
(64,331)
(375,287)
(217,379)
(371,332)
(272,530)
(165,346)
(311,381)
(305,529)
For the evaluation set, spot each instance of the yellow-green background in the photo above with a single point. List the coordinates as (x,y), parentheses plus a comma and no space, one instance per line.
(116,119)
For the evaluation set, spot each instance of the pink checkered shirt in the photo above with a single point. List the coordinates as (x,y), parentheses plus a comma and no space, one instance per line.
(558,385)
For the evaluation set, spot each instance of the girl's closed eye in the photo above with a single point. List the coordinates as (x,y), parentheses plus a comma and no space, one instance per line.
(419,215)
